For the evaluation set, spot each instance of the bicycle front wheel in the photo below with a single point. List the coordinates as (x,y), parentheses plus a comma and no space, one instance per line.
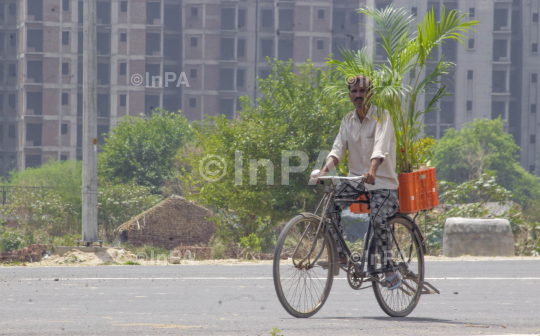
(408,257)
(303,266)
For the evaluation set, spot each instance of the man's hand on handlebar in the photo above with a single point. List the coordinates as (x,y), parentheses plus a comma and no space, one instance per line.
(369,177)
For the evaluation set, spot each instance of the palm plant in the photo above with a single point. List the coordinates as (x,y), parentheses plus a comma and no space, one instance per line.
(404,77)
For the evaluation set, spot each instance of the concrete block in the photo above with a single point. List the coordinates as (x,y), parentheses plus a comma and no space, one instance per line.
(477,237)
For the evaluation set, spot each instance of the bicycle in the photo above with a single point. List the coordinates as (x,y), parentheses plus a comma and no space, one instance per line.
(306,260)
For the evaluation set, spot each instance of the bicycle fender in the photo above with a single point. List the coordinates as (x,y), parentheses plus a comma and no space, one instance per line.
(310,215)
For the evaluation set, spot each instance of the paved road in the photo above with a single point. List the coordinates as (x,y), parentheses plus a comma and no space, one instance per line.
(493,297)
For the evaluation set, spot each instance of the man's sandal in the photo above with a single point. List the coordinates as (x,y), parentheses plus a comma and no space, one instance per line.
(389,280)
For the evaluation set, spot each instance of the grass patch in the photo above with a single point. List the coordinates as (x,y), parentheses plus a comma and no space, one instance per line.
(131,263)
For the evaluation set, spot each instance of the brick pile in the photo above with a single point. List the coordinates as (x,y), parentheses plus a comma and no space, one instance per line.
(33,253)
(171,223)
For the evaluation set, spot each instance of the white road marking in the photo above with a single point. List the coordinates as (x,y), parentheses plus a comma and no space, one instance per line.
(246,278)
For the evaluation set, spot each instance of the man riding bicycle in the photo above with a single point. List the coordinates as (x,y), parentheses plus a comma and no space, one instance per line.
(371,143)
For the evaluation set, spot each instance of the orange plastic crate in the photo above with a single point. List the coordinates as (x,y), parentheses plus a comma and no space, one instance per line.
(417,191)
(360,208)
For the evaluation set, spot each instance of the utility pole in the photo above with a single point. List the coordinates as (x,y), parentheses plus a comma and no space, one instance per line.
(89,187)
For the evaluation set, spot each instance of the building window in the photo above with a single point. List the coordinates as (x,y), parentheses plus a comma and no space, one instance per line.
(414,11)
(65,68)
(320,14)
(470,74)
(534,48)
(11,132)
(65,5)
(193,73)
(65,98)
(12,9)
(534,78)
(153,12)
(471,44)
(226,108)
(532,168)
(123,99)
(267,48)
(226,79)
(267,18)
(499,81)
(192,102)
(241,18)
(535,17)
(64,129)
(285,50)
(241,48)
(194,12)
(123,37)
(533,108)
(240,75)
(65,38)
(123,6)
(228,18)
(533,138)
(227,49)
(320,44)
(123,69)
(498,109)
(193,41)
(472,12)
(469,105)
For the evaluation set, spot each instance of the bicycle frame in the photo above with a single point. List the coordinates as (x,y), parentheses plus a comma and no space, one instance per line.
(328,199)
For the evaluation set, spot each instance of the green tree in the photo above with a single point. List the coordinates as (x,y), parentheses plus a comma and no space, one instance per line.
(65,177)
(481,147)
(143,150)
(294,115)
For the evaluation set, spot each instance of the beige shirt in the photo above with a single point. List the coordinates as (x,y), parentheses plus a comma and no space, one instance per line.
(365,141)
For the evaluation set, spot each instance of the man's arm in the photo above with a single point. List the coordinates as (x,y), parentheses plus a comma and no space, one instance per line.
(338,150)
(331,162)
(369,177)
(384,135)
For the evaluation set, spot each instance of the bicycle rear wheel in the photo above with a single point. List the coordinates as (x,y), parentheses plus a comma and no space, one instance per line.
(409,259)
(302,280)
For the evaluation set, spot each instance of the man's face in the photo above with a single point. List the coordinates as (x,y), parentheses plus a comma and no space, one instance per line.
(358,93)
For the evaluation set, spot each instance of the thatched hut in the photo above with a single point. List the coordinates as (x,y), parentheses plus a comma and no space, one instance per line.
(169,224)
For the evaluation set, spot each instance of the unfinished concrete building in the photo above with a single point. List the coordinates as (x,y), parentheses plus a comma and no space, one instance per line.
(201,56)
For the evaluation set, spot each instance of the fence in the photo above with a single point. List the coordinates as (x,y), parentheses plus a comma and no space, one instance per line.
(7,191)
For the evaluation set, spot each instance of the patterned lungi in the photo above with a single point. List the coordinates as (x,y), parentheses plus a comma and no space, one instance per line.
(384,203)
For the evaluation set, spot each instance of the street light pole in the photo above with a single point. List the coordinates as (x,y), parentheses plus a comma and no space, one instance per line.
(89,188)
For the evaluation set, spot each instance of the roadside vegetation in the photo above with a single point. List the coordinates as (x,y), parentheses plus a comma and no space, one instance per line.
(145,160)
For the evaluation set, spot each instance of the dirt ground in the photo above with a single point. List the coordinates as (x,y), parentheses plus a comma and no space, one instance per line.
(113,256)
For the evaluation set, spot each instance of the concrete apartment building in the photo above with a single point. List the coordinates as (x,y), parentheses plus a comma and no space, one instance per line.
(221,47)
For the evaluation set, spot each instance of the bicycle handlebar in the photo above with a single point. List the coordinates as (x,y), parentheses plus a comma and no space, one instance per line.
(315,174)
